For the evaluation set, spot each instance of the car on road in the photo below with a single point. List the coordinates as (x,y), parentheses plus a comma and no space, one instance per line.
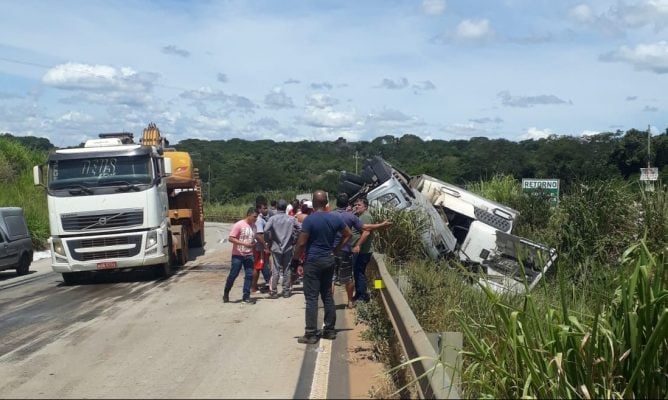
(16,249)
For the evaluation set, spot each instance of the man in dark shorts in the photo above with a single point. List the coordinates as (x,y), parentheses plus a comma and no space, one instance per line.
(344,259)
(317,240)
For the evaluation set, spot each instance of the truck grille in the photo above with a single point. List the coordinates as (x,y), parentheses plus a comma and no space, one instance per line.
(73,245)
(99,221)
(490,219)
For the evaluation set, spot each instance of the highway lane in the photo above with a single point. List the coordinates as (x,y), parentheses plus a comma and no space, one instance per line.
(132,336)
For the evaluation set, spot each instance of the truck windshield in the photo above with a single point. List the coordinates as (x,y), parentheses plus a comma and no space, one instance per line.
(85,173)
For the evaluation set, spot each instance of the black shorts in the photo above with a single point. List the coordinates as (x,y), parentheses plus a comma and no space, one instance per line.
(344,267)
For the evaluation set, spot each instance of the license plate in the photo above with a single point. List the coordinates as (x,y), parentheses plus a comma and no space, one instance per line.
(106,265)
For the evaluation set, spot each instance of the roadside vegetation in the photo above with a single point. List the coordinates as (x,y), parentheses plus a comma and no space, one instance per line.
(16,162)
(597,326)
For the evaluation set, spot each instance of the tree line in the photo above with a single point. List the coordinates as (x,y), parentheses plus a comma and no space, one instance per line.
(232,168)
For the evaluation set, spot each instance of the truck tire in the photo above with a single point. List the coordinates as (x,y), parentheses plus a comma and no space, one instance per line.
(24,265)
(380,168)
(71,278)
(198,239)
(182,253)
(349,188)
(163,270)
(347,176)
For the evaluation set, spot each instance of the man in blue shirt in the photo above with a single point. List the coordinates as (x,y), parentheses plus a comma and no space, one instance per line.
(317,239)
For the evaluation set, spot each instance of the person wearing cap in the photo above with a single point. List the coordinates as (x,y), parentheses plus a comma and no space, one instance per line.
(316,239)
(279,234)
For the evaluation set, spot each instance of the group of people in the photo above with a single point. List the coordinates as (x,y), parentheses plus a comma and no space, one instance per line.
(323,246)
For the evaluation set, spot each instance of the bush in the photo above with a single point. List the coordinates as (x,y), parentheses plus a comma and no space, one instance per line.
(596,221)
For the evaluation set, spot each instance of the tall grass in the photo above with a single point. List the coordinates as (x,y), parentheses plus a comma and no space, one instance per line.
(18,190)
(619,352)
(654,216)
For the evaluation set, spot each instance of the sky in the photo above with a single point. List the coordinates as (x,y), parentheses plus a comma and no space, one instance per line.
(319,70)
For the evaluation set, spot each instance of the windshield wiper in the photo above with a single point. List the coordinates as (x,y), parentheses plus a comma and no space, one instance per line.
(81,189)
(126,186)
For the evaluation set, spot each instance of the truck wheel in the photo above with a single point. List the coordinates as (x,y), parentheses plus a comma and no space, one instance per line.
(24,265)
(71,278)
(163,270)
(182,253)
(198,239)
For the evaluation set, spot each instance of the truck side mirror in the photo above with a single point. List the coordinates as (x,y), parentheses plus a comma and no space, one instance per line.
(37,175)
(168,166)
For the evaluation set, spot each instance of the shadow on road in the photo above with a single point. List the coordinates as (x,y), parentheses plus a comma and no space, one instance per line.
(10,273)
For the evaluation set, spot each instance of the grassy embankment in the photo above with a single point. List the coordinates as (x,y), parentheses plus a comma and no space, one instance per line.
(597,327)
(16,162)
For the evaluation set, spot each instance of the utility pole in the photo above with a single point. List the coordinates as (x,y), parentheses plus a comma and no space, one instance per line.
(208,184)
(649,140)
(356,157)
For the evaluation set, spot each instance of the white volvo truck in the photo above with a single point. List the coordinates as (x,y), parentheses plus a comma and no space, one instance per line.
(108,207)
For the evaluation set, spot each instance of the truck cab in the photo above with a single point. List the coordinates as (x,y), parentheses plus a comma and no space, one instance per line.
(108,206)
(474,229)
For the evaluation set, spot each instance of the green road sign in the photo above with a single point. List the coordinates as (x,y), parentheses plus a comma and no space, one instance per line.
(548,187)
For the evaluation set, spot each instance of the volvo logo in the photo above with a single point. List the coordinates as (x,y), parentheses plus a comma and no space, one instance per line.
(102,221)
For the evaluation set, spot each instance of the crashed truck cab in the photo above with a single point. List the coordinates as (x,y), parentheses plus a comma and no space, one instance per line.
(474,229)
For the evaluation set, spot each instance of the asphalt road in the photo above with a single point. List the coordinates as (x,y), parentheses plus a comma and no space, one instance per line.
(128,335)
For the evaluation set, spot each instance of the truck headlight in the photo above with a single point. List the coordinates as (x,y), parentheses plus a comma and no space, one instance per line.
(151,239)
(58,247)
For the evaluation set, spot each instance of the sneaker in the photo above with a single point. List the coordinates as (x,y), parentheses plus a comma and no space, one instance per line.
(274,295)
(329,334)
(226,297)
(248,301)
(308,339)
(286,294)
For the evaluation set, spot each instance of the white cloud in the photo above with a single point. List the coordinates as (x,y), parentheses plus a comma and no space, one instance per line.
(207,94)
(582,13)
(393,85)
(645,57)
(172,49)
(75,76)
(587,132)
(470,29)
(534,133)
(329,118)
(209,124)
(75,117)
(433,7)
(277,99)
(321,100)
(509,100)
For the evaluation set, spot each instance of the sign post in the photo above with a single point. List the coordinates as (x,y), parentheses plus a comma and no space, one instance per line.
(549,187)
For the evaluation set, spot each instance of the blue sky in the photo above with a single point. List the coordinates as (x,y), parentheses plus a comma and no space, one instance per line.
(319,70)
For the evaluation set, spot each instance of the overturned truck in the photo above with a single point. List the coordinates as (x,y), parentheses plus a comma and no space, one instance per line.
(464,225)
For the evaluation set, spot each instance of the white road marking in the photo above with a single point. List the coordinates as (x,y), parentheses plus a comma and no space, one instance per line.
(321,372)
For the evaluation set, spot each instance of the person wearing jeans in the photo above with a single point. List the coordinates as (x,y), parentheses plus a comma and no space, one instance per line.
(238,262)
(317,239)
(242,237)
(279,233)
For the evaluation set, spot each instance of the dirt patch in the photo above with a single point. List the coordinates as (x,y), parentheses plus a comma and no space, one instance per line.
(367,375)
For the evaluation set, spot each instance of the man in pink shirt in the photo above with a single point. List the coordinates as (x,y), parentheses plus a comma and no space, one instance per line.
(242,237)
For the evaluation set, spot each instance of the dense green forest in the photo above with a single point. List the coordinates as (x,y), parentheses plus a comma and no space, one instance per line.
(232,168)
(238,166)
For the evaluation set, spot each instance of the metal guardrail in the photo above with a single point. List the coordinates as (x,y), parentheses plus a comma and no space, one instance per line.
(436,384)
